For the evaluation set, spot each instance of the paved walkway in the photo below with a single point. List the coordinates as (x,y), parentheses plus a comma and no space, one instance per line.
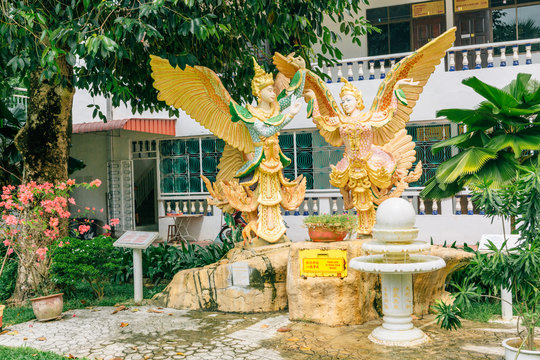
(144,333)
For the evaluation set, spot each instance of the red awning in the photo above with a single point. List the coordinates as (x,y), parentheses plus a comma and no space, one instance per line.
(152,126)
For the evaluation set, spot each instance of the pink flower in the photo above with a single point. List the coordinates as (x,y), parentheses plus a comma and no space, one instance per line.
(115,222)
(6,242)
(101,210)
(71,201)
(95,183)
(61,186)
(84,228)
(105,227)
(10,219)
(70,182)
(60,244)
(41,252)
(10,251)
(53,222)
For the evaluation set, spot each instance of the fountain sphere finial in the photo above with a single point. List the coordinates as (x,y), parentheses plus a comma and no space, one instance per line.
(395,213)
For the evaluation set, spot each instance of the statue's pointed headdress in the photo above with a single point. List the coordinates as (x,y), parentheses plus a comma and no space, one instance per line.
(261,79)
(350,89)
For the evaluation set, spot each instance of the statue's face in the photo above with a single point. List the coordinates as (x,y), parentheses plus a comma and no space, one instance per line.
(267,94)
(349,103)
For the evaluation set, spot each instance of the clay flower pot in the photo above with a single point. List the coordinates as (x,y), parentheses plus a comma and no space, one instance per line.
(1,314)
(48,307)
(320,234)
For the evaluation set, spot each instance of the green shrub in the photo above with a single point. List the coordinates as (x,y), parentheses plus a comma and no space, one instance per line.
(334,222)
(9,274)
(93,261)
(163,261)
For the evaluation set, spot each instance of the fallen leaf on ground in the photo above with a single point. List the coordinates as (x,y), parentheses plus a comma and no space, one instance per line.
(305,348)
(119,308)
(134,310)
(117,358)
(264,326)
(170,314)
(293,339)
(155,311)
(123,324)
(4,332)
(74,315)
(160,308)
(146,357)
(72,357)
(25,338)
(134,347)
(43,338)
(34,354)
(180,353)
(13,333)
(82,302)
(284,329)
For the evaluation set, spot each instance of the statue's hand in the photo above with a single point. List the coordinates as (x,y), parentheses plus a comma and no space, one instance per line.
(308,95)
(407,82)
(295,108)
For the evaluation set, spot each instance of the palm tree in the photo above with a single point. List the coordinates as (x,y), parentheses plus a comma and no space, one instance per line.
(502,133)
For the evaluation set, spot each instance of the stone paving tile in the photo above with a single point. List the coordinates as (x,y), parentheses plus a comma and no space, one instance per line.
(178,334)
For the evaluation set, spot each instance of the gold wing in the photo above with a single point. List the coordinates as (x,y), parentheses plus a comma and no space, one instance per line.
(418,66)
(231,161)
(402,149)
(288,66)
(199,92)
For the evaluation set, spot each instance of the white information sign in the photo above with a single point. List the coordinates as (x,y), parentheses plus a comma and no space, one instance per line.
(240,273)
(136,239)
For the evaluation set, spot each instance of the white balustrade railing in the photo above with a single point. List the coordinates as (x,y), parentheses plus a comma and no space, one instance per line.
(331,202)
(459,58)
(19,97)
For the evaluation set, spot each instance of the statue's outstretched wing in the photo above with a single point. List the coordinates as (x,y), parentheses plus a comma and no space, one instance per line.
(418,66)
(328,120)
(199,92)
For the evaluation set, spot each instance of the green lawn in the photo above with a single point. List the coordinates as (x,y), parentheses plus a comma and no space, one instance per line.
(26,353)
(79,299)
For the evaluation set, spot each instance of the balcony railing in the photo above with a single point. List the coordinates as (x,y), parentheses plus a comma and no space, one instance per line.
(19,98)
(458,58)
(331,202)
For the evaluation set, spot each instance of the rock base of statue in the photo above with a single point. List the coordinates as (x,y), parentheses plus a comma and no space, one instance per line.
(247,280)
(356,298)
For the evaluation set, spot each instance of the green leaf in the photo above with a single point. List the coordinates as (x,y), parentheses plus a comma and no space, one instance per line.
(501,99)
(517,142)
(518,87)
(466,162)
(456,140)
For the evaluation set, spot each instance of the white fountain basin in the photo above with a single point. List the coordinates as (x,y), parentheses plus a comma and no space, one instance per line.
(395,235)
(415,264)
(379,247)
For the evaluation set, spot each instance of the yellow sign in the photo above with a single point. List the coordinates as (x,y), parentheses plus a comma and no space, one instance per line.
(428,9)
(324,263)
(467,5)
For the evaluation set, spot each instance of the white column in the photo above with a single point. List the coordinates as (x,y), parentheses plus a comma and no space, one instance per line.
(506,304)
(137,275)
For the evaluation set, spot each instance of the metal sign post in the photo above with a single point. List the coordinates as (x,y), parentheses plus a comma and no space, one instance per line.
(138,241)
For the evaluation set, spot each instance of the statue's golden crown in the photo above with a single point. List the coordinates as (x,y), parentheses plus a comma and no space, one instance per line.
(261,79)
(350,89)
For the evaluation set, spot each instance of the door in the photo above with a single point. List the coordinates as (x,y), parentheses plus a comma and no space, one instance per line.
(472,28)
(426,29)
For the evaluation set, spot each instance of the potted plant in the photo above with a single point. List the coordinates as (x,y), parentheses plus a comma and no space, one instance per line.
(516,269)
(327,228)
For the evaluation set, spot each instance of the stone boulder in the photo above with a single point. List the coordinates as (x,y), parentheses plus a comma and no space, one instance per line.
(246,280)
(332,300)
(429,287)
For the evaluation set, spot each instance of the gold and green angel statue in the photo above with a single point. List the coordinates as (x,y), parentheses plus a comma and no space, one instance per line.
(378,152)
(250,177)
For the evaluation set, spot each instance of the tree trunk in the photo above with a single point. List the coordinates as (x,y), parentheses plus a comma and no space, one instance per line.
(44,146)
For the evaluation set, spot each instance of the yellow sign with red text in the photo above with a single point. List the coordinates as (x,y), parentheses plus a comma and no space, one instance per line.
(323,263)
(428,9)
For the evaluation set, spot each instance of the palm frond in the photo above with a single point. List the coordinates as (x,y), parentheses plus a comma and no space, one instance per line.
(500,98)
(518,142)
(466,162)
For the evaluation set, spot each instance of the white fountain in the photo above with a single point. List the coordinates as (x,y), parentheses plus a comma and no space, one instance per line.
(395,255)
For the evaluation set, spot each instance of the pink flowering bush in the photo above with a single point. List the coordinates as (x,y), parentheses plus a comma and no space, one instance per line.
(33,217)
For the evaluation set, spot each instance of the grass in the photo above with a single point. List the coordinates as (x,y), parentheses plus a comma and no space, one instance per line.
(482,311)
(80,298)
(26,353)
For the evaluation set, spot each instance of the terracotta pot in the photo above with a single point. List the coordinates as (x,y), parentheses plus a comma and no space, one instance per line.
(1,314)
(48,307)
(510,350)
(318,234)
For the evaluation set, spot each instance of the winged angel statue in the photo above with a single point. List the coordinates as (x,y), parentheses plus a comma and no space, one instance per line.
(250,177)
(378,152)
